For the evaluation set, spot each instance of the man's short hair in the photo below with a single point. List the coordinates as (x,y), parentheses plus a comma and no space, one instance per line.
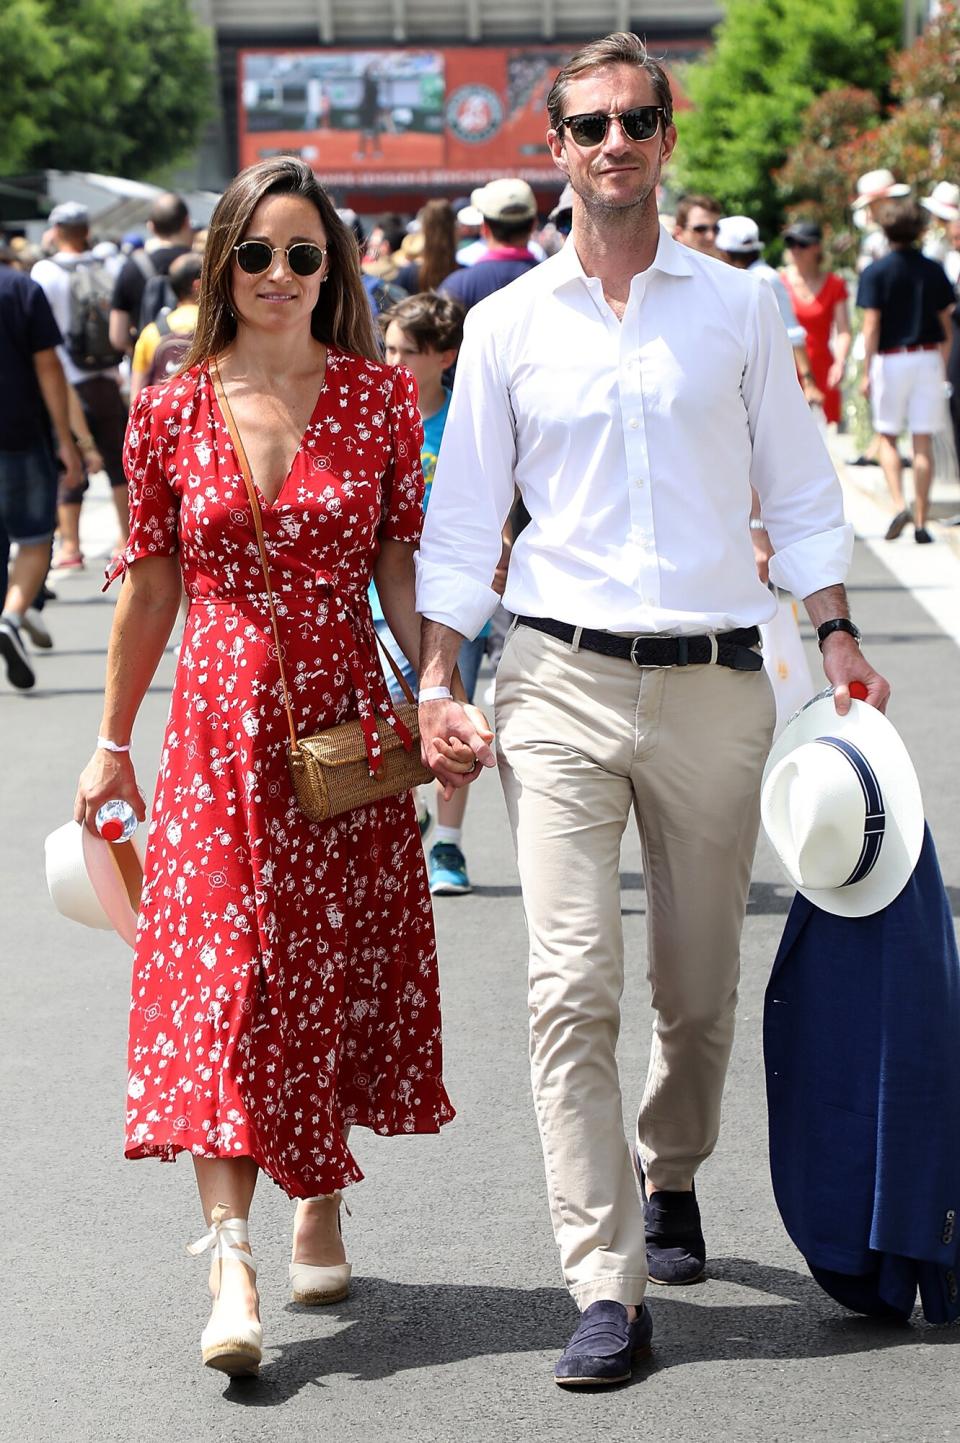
(510,233)
(183,274)
(688,203)
(903,222)
(434,322)
(169,215)
(621,48)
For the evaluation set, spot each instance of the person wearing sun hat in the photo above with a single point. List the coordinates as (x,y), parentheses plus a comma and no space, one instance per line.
(873,187)
(861,1017)
(942,241)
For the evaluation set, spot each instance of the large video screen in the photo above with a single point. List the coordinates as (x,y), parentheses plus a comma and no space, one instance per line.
(406,117)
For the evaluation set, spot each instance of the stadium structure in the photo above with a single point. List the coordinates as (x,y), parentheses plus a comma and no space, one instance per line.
(394,100)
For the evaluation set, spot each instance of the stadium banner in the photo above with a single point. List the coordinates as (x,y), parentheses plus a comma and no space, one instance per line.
(401,117)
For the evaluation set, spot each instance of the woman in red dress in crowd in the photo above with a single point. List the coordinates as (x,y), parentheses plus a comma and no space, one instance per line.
(820,303)
(285,980)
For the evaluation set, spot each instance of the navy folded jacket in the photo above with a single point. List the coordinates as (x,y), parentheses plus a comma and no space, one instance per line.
(862,1051)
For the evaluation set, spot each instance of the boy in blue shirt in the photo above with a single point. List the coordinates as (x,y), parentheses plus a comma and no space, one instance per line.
(424,334)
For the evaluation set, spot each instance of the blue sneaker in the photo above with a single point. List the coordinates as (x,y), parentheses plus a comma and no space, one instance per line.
(448,870)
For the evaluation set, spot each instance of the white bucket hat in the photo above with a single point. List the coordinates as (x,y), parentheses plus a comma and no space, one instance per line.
(841,804)
(943,201)
(878,185)
(95,882)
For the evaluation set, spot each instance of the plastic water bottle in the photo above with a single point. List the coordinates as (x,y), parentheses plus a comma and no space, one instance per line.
(116,821)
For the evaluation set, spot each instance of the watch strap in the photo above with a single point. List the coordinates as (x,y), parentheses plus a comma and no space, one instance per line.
(837,623)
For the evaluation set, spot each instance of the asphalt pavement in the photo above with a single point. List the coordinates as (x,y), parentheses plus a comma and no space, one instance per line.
(458,1311)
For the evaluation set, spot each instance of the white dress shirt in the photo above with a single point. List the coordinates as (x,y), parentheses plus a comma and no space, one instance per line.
(634,444)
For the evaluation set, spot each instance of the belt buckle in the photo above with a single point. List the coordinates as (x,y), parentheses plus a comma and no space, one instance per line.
(633,648)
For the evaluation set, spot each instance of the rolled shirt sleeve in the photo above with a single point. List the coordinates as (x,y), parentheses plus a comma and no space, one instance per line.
(473,491)
(800,496)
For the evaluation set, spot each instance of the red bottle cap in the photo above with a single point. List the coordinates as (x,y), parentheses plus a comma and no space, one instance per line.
(858,690)
(112,830)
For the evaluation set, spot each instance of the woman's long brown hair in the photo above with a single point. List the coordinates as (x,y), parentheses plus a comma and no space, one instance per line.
(342,315)
(439,256)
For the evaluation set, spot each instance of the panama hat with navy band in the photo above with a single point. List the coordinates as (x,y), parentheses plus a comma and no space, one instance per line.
(841,805)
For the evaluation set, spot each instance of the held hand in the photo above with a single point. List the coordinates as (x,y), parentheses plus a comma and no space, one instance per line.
(107,777)
(843,664)
(865,385)
(447,732)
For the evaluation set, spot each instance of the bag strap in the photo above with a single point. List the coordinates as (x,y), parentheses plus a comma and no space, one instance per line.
(258,527)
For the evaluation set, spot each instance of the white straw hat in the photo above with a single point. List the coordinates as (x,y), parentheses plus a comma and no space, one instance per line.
(94,882)
(841,804)
(878,185)
(943,201)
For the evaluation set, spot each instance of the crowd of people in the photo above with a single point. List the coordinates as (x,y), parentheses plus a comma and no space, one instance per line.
(324,393)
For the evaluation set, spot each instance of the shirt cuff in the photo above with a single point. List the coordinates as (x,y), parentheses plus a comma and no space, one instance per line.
(447,596)
(809,565)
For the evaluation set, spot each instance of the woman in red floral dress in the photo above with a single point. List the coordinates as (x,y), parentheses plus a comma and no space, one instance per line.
(285,981)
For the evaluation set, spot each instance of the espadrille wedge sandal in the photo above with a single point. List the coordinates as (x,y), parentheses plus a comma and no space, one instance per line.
(231,1344)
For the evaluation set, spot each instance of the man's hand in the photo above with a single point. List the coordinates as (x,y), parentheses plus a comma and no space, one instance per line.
(455,742)
(843,663)
(812,392)
(71,462)
(865,384)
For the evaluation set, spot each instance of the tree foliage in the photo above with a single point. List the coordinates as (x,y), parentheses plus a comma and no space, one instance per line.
(121,86)
(750,94)
(847,133)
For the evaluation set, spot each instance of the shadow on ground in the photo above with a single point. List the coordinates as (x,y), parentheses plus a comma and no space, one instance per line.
(391,1328)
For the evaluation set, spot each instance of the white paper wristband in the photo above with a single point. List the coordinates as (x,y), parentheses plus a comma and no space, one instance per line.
(435,693)
(104,744)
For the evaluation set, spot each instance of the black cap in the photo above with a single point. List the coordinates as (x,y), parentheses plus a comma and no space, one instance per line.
(807,232)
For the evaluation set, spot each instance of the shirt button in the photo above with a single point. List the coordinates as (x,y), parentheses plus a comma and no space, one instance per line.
(634,423)
(638,481)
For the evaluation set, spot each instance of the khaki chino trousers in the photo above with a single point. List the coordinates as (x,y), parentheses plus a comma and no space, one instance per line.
(582,740)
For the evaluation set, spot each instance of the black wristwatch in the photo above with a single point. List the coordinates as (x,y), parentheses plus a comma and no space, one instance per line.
(839,623)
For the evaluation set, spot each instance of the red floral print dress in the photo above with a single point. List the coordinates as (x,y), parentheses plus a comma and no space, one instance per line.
(285,978)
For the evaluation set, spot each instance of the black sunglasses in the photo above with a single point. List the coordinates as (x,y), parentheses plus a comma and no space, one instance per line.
(304,258)
(639,124)
(796,244)
(703,229)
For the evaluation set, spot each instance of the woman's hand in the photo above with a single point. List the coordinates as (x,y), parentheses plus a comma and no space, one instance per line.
(835,375)
(107,777)
(455,739)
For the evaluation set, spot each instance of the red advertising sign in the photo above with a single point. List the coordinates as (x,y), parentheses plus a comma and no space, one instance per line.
(366,119)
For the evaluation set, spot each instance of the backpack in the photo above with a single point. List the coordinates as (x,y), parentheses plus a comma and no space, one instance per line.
(88,330)
(171,350)
(382,294)
(157,297)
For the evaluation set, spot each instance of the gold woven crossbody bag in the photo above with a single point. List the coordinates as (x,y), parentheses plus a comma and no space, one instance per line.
(331,771)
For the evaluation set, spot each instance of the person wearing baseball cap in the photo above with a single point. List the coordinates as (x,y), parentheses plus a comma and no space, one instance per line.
(508,211)
(738,243)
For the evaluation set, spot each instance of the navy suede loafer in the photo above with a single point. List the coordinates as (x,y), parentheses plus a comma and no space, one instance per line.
(602,1350)
(676,1252)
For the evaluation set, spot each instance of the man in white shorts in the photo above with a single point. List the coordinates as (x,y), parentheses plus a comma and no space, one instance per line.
(906,299)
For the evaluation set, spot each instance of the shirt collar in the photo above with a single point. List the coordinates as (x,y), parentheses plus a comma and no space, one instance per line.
(672,258)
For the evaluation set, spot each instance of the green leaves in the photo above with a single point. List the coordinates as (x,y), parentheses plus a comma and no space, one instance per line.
(121,86)
(750,94)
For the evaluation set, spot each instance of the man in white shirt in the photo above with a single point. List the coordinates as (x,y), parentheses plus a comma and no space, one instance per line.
(632,390)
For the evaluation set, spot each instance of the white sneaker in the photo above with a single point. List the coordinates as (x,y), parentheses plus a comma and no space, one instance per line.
(36,628)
